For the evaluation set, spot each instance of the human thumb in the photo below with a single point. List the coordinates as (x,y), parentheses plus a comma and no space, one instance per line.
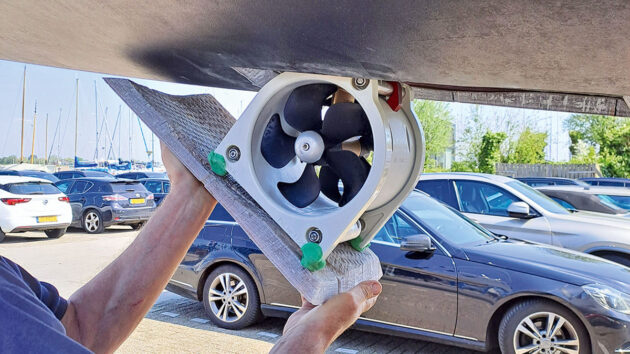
(365,293)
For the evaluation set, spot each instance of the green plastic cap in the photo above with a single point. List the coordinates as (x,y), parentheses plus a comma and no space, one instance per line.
(312,257)
(217,163)
(356,244)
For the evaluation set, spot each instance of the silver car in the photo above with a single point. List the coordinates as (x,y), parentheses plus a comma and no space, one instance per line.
(508,207)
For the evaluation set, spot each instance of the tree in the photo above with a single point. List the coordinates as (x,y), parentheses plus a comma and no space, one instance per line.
(529,148)
(437,125)
(490,151)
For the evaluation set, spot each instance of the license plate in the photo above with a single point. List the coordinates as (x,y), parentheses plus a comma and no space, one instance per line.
(47,219)
(137,201)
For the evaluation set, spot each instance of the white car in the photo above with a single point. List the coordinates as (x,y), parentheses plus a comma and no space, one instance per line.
(28,203)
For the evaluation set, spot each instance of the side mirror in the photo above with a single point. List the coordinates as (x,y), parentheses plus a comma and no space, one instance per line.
(519,210)
(417,243)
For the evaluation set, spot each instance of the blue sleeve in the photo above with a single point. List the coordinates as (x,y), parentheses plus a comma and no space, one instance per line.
(45,292)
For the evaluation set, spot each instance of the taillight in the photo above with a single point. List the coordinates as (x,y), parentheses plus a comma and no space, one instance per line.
(64,199)
(150,197)
(13,201)
(114,198)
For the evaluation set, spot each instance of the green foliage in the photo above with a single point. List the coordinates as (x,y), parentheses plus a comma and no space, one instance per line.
(609,135)
(437,124)
(529,148)
(490,151)
(464,166)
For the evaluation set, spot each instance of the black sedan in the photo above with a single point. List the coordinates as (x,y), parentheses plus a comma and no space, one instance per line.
(158,186)
(445,279)
(607,200)
(100,202)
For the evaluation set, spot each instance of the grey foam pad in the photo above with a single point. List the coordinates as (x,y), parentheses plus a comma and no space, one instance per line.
(191,127)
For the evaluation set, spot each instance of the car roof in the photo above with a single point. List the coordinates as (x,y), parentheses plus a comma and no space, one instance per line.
(21,179)
(606,179)
(163,179)
(546,178)
(465,175)
(589,190)
(97,179)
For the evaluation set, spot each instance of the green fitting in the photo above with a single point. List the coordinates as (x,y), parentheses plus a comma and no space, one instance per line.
(356,244)
(312,257)
(217,163)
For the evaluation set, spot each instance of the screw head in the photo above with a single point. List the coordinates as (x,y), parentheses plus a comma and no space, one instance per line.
(314,235)
(233,153)
(360,83)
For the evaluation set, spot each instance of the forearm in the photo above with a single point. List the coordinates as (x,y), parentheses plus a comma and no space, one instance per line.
(105,311)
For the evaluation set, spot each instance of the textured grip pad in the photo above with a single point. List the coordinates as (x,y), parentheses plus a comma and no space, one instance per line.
(192,127)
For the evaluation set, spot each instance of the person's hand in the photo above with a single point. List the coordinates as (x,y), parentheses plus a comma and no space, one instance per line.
(177,172)
(312,328)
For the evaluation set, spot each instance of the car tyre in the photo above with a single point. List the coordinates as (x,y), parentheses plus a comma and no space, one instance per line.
(2,235)
(137,226)
(92,221)
(567,331)
(236,308)
(55,233)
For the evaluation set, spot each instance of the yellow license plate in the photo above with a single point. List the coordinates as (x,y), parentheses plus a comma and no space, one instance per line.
(47,219)
(137,201)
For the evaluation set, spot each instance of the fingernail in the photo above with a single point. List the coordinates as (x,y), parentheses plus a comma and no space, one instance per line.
(376,288)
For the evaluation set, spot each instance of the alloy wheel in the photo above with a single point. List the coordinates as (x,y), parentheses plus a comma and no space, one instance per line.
(92,221)
(228,297)
(546,333)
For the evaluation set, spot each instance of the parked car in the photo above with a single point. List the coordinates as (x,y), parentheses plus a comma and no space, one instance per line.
(80,174)
(607,181)
(445,279)
(140,175)
(100,202)
(551,181)
(609,200)
(158,186)
(30,173)
(32,204)
(509,207)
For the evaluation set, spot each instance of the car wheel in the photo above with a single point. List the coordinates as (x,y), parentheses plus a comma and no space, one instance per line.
(2,235)
(539,326)
(230,298)
(92,222)
(137,226)
(55,233)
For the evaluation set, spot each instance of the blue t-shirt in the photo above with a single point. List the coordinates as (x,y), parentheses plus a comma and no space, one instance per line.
(30,314)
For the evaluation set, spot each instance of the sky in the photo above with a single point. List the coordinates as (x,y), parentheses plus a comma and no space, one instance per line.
(54,91)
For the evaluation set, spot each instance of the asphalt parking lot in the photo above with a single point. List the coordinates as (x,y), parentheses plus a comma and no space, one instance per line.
(174,324)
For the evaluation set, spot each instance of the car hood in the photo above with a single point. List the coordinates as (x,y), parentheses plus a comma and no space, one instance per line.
(551,262)
(598,219)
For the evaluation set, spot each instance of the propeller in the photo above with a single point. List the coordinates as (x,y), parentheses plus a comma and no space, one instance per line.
(324,143)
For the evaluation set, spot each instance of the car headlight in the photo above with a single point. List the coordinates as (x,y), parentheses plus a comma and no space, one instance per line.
(609,298)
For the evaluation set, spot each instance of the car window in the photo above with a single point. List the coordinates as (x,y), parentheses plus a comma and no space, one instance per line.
(220,214)
(619,201)
(537,197)
(154,186)
(30,188)
(63,186)
(441,190)
(103,188)
(483,198)
(611,184)
(396,229)
(122,187)
(78,187)
(167,187)
(564,203)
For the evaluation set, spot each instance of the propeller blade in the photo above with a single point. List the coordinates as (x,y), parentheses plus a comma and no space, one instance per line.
(330,183)
(277,147)
(344,121)
(303,110)
(304,191)
(352,171)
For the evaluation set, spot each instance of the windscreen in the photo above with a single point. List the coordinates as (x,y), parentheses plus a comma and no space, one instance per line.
(619,201)
(444,221)
(542,200)
(122,187)
(31,188)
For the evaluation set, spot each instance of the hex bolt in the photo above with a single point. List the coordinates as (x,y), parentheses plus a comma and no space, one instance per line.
(360,83)
(314,235)
(233,153)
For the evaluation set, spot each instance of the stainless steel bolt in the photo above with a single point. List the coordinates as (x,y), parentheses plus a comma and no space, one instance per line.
(360,83)
(314,235)
(233,153)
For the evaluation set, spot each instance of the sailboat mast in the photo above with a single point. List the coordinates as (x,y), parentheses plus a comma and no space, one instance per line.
(46,142)
(96,115)
(33,144)
(76,119)
(23,97)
